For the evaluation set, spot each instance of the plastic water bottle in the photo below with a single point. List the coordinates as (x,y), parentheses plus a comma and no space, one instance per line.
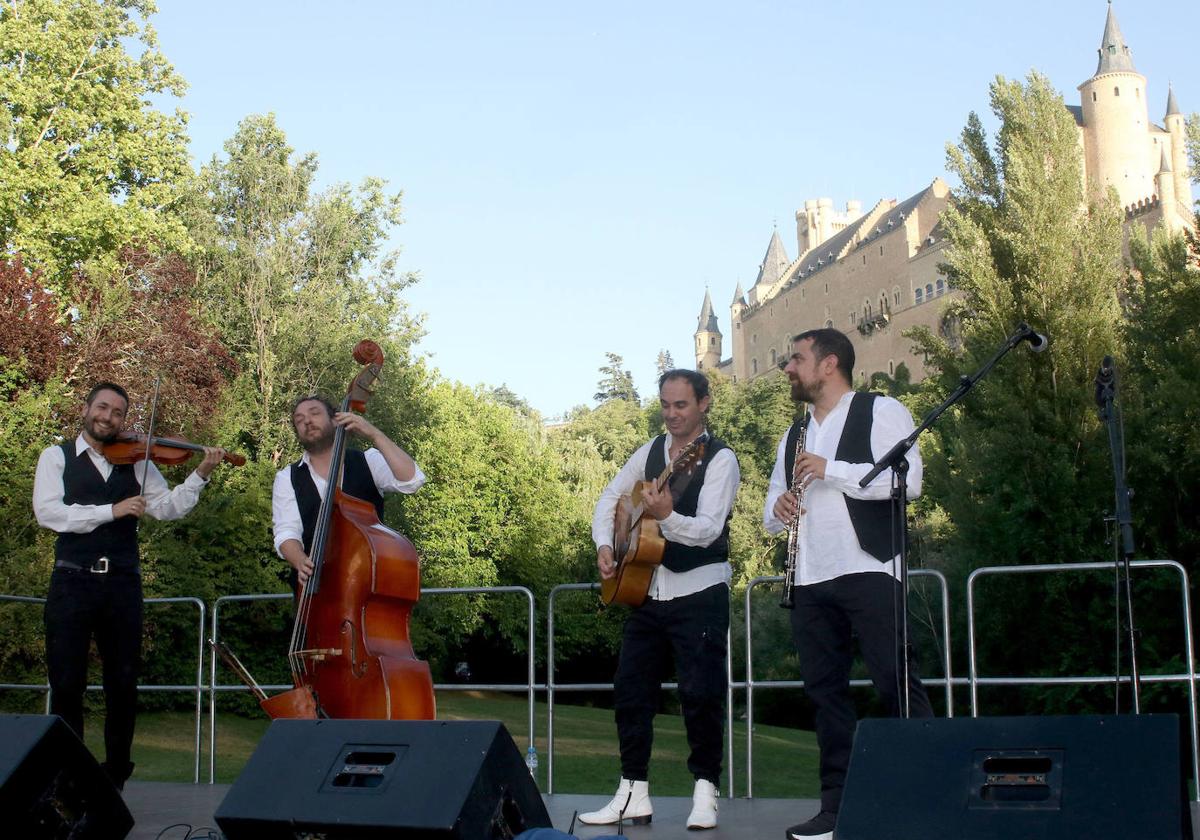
(531,760)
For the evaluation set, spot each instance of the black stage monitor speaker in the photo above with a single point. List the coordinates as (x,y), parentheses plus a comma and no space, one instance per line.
(51,787)
(1113,777)
(343,779)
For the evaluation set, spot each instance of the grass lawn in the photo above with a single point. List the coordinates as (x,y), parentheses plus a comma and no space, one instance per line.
(585,747)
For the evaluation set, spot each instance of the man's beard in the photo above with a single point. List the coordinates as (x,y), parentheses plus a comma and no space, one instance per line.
(90,425)
(318,444)
(802,393)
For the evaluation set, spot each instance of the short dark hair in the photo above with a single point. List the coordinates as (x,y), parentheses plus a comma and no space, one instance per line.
(106,386)
(830,342)
(698,381)
(329,407)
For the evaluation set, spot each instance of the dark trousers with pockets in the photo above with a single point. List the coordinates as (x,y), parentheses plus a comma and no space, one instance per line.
(693,631)
(826,614)
(81,605)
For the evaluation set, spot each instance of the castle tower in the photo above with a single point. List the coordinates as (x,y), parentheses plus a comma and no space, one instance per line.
(708,337)
(738,306)
(1174,123)
(1116,122)
(1165,182)
(774,265)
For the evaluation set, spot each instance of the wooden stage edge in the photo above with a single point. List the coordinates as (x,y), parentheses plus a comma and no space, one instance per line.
(158,805)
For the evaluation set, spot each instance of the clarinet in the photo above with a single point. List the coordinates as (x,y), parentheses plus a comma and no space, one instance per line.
(797,490)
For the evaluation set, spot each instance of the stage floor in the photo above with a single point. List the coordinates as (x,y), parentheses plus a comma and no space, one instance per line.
(158,805)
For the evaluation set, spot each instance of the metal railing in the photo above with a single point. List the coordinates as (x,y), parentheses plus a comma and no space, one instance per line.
(529,686)
(947,680)
(198,687)
(552,687)
(1047,568)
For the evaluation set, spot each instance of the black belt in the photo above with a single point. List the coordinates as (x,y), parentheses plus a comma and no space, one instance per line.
(101,566)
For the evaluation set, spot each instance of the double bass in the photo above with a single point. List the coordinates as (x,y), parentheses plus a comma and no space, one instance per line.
(350,653)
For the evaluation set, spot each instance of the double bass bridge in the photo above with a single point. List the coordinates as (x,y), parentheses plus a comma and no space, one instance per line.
(317,654)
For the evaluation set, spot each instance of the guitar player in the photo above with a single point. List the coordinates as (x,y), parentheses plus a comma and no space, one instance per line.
(685,616)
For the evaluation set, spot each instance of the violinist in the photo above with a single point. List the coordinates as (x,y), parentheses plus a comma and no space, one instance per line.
(300,487)
(96,588)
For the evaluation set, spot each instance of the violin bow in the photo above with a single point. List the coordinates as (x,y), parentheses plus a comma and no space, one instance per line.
(150,434)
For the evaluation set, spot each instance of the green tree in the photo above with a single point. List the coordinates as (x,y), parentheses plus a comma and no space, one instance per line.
(1193,145)
(89,167)
(616,383)
(1158,392)
(664,362)
(294,279)
(1021,466)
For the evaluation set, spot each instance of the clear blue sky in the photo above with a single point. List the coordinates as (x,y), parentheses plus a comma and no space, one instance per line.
(575,174)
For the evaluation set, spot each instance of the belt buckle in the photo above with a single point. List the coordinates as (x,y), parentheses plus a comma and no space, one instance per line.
(100,567)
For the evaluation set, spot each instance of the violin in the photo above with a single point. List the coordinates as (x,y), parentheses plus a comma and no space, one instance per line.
(130,447)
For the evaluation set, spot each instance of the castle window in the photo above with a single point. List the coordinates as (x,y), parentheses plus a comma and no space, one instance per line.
(774,358)
(891,367)
(754,365)
(826,288)
(881,250)
(941,287)
(712,341)
(1093,96)
(829,324)
(896,295)
(929,290)
(853,320)
(920,295)
(1116,91)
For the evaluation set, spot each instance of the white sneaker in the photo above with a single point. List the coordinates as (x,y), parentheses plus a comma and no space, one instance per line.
(631,804)
(704,805)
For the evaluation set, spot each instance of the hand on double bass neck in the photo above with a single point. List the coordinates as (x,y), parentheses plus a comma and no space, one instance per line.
(400,462)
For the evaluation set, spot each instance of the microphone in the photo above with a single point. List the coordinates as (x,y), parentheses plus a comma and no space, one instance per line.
(1106,382)
(1037,341)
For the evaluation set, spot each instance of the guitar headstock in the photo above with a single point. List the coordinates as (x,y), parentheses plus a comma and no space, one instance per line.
(691,454)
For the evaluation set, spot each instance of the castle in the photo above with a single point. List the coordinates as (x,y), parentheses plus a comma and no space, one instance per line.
(877,272)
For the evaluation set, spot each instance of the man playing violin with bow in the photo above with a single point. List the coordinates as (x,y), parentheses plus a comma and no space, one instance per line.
(300,487)
(96,587)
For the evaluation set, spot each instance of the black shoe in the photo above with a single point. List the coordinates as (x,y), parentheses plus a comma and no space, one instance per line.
(118,774)
(819,827)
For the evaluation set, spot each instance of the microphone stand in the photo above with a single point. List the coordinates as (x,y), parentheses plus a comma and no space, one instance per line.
(1106,393)
(896,460)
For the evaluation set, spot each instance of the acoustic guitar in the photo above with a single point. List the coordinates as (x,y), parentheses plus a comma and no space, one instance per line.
(638,543)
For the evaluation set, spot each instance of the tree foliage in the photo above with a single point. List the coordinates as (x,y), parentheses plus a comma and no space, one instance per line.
(1021,467)
(616,383)
(89,166)
(293,278)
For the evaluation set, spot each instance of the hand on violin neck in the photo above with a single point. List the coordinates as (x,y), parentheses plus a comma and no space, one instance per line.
(213,455)
(134,506)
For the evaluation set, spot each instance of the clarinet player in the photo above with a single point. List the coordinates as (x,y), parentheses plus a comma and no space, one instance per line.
(845,573)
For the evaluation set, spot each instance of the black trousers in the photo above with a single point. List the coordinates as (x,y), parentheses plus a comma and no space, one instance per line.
(825,615)
(691,630)
(81,605)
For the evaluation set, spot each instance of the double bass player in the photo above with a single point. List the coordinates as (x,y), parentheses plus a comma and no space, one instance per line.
(300,487)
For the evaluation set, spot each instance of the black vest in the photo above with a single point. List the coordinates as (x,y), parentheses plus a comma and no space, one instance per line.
(686,495)
(356,481)
(878,531)
(116,540)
